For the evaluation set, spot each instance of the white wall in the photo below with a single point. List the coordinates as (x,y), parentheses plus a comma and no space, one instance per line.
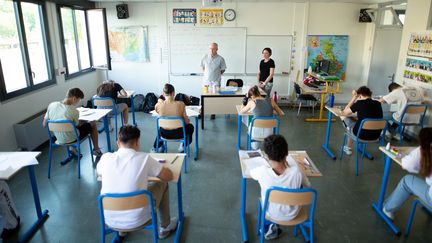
(19,108)
(260,18)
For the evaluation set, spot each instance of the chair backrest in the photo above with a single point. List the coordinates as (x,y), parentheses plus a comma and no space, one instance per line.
(265,122)
(234,82)
(125,201)
(416,109)
(291,197)
(170,122)
(60,126)
(297,88)
(103,101)
(373,124)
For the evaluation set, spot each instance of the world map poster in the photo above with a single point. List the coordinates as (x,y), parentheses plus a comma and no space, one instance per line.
(129,44)
(333,48)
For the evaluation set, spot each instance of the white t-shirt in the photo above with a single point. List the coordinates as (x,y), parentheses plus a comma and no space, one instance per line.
(411,163)
(292,178)
(59,111)
(126,171)
(212,69)
(403,96)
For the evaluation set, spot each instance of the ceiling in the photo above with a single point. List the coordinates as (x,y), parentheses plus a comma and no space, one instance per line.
(339,1)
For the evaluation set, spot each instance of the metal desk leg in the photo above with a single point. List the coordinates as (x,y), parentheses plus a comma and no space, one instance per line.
(180,211)
(106,127)
(202,112)
(42,216)
(379,206)
(196,139)
(325,146)
(132,98)
(239,117)
(243,210)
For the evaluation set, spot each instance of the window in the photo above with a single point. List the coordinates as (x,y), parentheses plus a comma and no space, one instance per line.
(25,59)
(78,35)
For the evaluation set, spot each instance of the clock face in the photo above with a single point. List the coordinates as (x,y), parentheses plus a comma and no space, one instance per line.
(230,14)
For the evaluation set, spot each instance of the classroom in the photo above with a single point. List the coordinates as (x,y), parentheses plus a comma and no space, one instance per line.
(318,111)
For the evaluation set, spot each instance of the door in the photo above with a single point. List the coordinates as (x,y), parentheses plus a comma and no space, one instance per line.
(384,59)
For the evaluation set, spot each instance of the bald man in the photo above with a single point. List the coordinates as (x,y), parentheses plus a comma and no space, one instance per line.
(213,66)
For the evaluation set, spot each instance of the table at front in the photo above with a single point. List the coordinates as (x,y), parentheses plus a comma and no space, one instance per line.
(130,95)
(307,90)
(89,115)
(243,189)
(176,170)
(378,206)
(11,158)
(220,104)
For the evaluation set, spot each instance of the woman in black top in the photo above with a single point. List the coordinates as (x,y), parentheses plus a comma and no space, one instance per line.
(266,71)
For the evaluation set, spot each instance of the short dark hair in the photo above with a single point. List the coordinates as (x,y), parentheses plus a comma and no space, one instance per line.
(392,86)
(276,147)
(267,49)
(129,134)
(168,89)
(365,91)
(75,92)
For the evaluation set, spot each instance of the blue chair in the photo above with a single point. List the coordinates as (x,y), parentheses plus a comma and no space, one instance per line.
(290,197)
(172,122)
(123,202)
(272,122)
(65,126)
(108,103)
(360,144)
(414,205)
(411,109)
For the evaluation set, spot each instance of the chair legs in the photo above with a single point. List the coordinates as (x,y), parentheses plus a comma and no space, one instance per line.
(342,147)
(413,209)
(49,160)
(298,112)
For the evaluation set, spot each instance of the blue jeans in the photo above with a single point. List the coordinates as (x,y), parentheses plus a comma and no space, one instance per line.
(408,185)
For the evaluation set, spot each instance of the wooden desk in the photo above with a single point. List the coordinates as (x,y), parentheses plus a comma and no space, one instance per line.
(378,206)
(11,163)
(308,90)
(220,104)
(298,156)
(90,114)
(191,111)
(130,95)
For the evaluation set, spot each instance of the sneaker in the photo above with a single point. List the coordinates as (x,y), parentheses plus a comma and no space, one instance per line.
(97,153)
(74,153)
(397,137)
(390,215)
(9,232)
(180,148)
(347,150)
(388,135)
(165,232)
(273,232)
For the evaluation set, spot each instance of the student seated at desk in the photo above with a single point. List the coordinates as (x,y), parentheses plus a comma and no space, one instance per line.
(261,107)
(280,174)
(66,110)
(418,161)
(111,89)
(167,106)
(9,220)
(134,168)
(402,96)
(365,107)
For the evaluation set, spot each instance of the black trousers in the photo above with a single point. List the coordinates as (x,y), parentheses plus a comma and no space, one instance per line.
(176,134)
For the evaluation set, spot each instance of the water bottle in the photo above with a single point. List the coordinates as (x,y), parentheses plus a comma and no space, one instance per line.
(275,97)
(310,69)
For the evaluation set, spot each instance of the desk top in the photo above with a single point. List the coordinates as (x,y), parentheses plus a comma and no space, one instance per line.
(239,107)
(12,162)
(90,114)
(175,167)
(402,150)
(308,90)
(191,111)
(320,78)
(129,94)
(309,168)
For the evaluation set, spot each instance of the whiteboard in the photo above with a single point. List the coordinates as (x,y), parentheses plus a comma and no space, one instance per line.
(188,46)
(281,52)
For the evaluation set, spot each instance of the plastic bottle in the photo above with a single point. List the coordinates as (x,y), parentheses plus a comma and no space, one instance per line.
(275,97)
(388,146)
(310,69)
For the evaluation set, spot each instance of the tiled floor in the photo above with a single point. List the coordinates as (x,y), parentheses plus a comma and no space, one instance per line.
(211,191)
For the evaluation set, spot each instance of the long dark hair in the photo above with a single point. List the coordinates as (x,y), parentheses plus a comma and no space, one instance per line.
(425,137)
(254,91)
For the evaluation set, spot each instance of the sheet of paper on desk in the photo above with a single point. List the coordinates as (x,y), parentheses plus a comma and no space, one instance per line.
(16,160)
(304,163)
(253,163)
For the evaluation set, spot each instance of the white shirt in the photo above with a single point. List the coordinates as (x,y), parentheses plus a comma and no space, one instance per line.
(403,96)
(212,69)
(59,111)
(292,178)
(411,163)
(126,171)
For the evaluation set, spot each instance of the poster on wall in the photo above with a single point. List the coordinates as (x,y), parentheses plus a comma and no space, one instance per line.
(184,16)
(129,44)
(211,17)
(420,45)
(333,48)
(212,3)
(418,70)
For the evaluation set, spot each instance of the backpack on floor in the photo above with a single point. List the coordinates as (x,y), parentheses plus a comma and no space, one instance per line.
(182,97)
(149,102)
(194,100)
(139,102)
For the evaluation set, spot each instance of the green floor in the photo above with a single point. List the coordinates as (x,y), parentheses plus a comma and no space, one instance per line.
(211,191)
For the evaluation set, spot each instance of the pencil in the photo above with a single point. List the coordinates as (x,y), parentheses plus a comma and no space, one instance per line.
(172,162)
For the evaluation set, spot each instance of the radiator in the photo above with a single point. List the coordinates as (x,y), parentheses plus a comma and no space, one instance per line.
(29,133)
